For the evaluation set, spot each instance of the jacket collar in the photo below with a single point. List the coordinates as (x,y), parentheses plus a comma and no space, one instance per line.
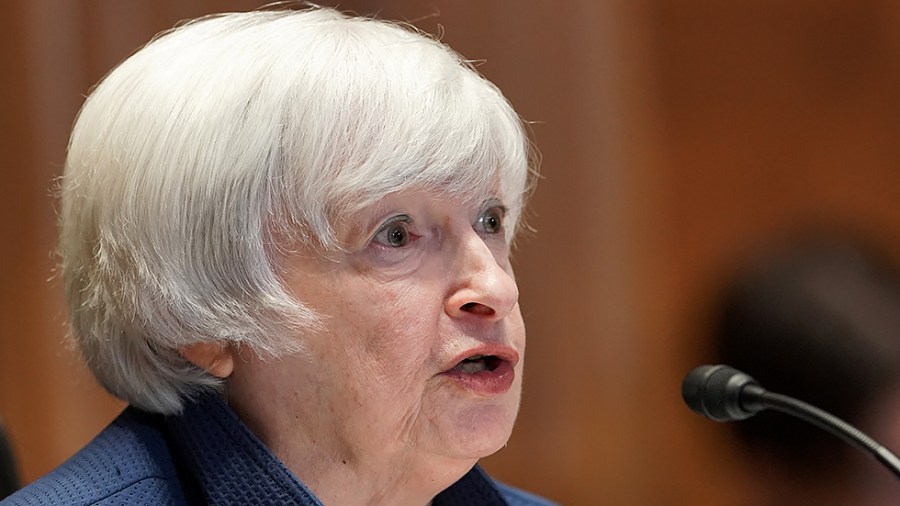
(222,461)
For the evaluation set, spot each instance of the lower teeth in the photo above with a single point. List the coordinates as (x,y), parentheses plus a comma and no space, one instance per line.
(472,367)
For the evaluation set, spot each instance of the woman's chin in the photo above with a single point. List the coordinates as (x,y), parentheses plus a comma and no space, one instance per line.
(479,431)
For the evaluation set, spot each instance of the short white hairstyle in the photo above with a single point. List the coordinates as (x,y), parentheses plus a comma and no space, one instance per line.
(194,162)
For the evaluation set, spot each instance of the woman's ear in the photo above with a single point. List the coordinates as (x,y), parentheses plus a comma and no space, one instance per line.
(216,358)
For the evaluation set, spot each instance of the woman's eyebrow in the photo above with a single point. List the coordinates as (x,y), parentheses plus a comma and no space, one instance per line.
(494,202)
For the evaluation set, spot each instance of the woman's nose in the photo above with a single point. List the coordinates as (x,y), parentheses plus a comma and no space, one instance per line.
(482,287)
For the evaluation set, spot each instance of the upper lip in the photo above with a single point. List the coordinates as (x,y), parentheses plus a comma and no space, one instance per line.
(503,352)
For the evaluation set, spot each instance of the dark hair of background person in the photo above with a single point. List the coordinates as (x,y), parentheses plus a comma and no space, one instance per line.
(9,479)
(817,319)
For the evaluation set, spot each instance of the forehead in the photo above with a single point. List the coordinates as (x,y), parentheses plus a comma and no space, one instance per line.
(468,186)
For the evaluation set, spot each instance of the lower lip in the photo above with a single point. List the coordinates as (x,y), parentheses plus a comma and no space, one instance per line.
(486,383)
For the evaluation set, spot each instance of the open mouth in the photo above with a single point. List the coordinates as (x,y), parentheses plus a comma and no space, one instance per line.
(484,374)
(478,363)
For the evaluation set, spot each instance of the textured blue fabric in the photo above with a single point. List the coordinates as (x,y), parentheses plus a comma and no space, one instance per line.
(204,456)
(128,463)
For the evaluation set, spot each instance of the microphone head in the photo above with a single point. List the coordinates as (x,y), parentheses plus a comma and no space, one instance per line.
(714,391)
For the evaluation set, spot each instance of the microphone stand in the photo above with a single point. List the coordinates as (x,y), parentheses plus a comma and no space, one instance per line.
(722,393)
(824,420)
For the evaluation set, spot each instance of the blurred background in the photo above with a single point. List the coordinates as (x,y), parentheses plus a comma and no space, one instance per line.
(678,138)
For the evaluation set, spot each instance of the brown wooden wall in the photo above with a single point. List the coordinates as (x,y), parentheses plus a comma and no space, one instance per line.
(676,135)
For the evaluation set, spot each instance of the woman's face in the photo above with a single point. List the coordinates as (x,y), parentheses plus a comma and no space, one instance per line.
(423,347)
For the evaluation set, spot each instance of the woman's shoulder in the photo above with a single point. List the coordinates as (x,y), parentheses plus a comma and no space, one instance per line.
(477,488)
(127,463)
(518,497)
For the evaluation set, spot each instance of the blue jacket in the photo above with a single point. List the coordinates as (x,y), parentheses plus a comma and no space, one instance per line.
(204,456)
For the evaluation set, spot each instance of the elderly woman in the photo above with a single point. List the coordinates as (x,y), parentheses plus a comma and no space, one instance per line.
(286,239)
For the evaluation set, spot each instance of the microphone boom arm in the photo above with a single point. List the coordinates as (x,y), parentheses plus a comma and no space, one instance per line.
(722,393)
(825,421)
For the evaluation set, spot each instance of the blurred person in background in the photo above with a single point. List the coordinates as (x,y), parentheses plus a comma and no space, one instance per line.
(9,475)
(286,242)
(817,318)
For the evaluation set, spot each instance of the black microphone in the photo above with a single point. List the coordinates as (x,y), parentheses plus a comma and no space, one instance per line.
(724,394)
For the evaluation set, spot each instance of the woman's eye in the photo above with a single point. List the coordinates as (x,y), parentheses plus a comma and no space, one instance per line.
(491,221)
(395,234)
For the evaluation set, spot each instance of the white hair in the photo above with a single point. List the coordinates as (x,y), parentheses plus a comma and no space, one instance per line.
(195,154)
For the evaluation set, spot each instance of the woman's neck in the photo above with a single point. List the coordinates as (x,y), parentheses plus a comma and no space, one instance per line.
(345,470)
